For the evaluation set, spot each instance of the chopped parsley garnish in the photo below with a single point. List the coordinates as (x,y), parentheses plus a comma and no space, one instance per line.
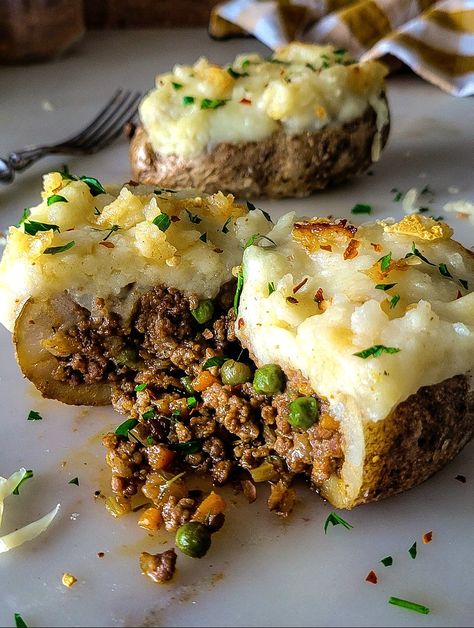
(194,218)
(203,237)
(384,286)
(218,360)
(387,561)
(245,64)
(361,208)
(162,221)
(125,427)
(397,195)
(336,520)
(140,387)
(176,86)
(310,66)
(188,100)
(74,481)
(412,550)
(66,175)
(256,238)
(251,207)
(238,290)
(385,261)
(32,227)
(212,103)
(56,198)
(394,300)
(411,606)
(375,351)
(148,415)
(225,228)
(271,288)
(25,215)
(94,185)
(235,74)
(149,440)
(19,621)
(339,52)
(54,250)
(27,476)
(112,230)
(415,252)
(191,447)
(191,402)
(426,190)
(34,416)
(443,269)
(175,414)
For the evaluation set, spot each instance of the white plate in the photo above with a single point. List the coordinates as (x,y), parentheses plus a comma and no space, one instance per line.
(261,570)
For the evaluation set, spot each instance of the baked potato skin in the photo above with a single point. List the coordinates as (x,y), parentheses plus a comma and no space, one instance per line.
(279,166)
(423,434)
(37,322)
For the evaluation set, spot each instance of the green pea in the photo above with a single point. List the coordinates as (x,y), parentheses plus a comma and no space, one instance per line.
(303,412)
(204,311)
(234,373)
(193,539)
(268,379)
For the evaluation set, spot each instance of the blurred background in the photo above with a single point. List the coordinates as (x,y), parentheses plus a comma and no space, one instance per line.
(37,30)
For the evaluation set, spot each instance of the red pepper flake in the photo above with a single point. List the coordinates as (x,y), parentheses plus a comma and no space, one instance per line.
(300,285)
(351,250)
(319,296)
(241,323)
(245,101)
(377,247)
(372,577)
(461,478)
(427,537)
(175,218)
(108,245)
(291,300)
(326,247)
(459,294)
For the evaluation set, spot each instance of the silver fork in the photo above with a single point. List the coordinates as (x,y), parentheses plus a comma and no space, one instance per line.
(102,131)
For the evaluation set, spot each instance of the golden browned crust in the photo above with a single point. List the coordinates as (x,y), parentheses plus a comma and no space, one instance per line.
(278,166)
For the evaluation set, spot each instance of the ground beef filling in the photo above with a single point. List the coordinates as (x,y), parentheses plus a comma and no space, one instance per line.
(187,418)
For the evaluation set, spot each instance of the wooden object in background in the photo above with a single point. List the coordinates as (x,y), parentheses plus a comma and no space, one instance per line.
(147,13)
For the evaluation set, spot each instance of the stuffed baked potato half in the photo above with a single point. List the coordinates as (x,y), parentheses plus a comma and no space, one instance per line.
(306,118)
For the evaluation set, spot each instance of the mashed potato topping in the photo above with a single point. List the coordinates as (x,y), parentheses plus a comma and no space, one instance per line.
(94,244)
(301,87)
(398,295)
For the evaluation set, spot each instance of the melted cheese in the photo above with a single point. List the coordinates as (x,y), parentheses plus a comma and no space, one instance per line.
(339,311)
(117,245)
(300,88)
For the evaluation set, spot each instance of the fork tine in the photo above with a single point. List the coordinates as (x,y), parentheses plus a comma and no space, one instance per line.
(116,128)
(85,138)
(103,113)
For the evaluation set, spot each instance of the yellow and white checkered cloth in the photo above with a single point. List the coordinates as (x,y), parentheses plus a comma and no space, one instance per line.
(434,38)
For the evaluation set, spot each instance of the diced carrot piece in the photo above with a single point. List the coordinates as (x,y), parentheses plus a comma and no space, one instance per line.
(160,457)
(212,505)
(151,519)
(204,380)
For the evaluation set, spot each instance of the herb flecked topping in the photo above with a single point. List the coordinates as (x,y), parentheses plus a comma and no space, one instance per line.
(54,250)
(375,351)
(162,221)
(336,520)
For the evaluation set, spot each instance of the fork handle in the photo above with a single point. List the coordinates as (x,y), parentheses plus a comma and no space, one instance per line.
(18,161)
(7,174)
